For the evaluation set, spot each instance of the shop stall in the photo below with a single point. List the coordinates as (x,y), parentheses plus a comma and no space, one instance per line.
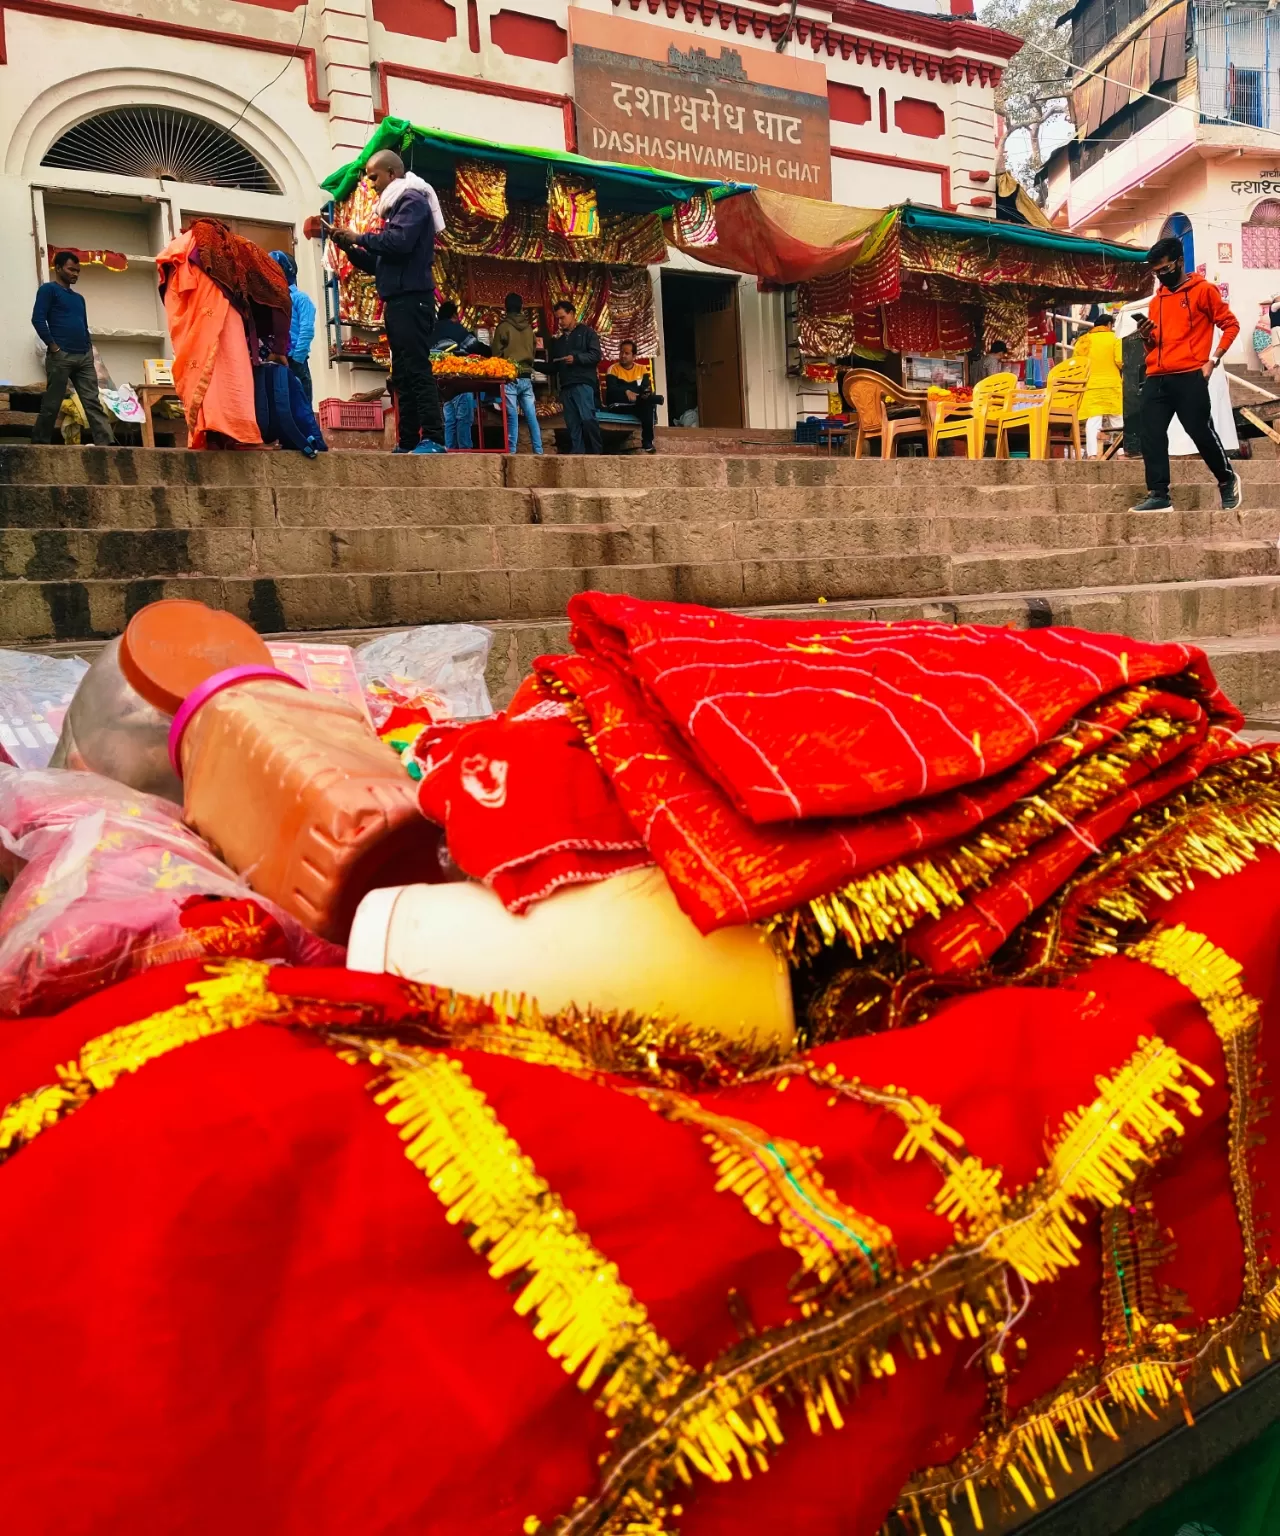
(547,225)
(912,292)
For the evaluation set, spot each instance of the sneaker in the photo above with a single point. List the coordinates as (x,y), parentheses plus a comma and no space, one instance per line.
(399,449)
(1152,503)
(427,446)
(651,450)
(1232,495)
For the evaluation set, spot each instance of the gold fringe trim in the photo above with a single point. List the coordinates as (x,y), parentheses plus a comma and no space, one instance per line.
(236,996)
(1214,827)
(1019,1463)
(841,1249)
(1213,978)
(886,903)
(1097,1156)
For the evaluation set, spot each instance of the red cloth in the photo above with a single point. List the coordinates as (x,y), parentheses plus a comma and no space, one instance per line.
(229,1299)
(526,805)
(764,763)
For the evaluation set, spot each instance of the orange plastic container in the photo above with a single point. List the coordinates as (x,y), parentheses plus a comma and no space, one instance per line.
(297,794)
(118,722)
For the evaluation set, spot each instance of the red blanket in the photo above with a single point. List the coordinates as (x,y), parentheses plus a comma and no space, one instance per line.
(232,1301)
(766,765)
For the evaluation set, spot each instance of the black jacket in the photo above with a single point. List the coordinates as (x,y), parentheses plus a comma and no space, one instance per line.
(584,344)
(401,254)
(453,336)
(615,389)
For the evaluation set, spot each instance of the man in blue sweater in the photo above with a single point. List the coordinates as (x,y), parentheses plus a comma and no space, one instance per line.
(62,323)
(400,256)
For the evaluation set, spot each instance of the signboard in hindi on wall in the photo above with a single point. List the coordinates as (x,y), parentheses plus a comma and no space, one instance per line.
(647,95)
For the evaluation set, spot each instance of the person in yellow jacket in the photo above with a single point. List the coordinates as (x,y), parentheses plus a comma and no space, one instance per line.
(1102,403)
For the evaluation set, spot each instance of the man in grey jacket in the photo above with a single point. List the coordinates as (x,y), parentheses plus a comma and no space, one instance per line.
(575,355)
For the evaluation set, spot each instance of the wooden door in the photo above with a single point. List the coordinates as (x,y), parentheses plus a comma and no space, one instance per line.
(719,360)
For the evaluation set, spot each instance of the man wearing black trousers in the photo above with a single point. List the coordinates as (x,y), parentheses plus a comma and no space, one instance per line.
(1178,333)
(400,256)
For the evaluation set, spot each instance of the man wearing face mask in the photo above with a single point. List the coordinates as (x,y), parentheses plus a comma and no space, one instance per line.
(1178,334)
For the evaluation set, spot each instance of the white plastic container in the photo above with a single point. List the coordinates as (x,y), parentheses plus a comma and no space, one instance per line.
(622,944)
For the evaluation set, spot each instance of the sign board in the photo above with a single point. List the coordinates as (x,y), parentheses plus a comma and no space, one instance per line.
(647,95)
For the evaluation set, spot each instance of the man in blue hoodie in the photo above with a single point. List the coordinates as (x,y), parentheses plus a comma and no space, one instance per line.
(302,324)
(400,256)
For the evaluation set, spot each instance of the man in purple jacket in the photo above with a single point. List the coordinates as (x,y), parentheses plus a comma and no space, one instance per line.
(400,256)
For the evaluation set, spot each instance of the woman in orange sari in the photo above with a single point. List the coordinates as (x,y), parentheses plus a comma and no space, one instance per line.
(217,289)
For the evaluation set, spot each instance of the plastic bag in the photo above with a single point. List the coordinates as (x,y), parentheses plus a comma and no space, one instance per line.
(35,692)
(440,666)
(107,882)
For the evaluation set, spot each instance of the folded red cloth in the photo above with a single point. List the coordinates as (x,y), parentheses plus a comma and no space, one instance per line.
(766,765)
(796,719)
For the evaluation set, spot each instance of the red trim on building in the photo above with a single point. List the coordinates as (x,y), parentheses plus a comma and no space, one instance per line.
(435,20)
(848,103)
(942,172)
(924,119)
(889,54)
(88,18)
(384,70)
(529,37)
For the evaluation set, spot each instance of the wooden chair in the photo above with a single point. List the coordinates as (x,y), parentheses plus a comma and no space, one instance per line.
(885,410)
(969,421)
(1057,405)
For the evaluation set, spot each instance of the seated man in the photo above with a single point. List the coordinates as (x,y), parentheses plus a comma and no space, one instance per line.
(627,388)
(450,335)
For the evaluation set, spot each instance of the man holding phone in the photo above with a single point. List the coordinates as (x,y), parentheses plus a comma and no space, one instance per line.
(1178,331)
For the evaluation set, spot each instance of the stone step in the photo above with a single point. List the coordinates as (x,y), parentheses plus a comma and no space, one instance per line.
(887,557)
(1217,590)
(205,506)
(33,465)
(874,520)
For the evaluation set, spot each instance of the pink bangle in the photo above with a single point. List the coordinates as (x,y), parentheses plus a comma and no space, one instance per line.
(203,692)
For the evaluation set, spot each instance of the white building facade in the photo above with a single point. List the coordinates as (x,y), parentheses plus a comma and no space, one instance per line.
(119,125)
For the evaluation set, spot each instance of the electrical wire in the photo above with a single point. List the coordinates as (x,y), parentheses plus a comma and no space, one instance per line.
(290,60)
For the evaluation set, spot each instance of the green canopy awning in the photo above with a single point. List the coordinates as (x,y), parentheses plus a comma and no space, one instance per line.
(434,155)
(933,220)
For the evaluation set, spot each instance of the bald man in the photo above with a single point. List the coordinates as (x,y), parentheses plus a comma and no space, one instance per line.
(400,256)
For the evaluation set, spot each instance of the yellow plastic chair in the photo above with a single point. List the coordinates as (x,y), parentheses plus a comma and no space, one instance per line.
(1040,412)
(970,421)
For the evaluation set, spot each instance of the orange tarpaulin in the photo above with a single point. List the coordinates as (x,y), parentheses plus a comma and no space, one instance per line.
(211,368)
(785,239)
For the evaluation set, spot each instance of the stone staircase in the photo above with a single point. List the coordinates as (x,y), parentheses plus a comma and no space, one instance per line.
(360,541)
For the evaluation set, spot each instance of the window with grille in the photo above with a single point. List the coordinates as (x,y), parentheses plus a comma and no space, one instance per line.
(1244,92)
(1260,237)
(160,144)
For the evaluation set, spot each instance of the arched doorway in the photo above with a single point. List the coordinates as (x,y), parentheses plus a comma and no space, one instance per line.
(1179,226)
(1260,237)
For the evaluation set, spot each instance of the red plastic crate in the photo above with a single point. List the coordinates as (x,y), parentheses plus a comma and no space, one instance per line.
(351,415)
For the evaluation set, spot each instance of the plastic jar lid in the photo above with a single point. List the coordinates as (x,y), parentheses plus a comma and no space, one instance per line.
(171,646)
(204,691)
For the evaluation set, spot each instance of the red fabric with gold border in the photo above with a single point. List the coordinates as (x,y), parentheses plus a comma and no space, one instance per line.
(231,1301)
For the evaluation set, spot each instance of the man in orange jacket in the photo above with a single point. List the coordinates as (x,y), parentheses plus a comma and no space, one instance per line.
(1178,332)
